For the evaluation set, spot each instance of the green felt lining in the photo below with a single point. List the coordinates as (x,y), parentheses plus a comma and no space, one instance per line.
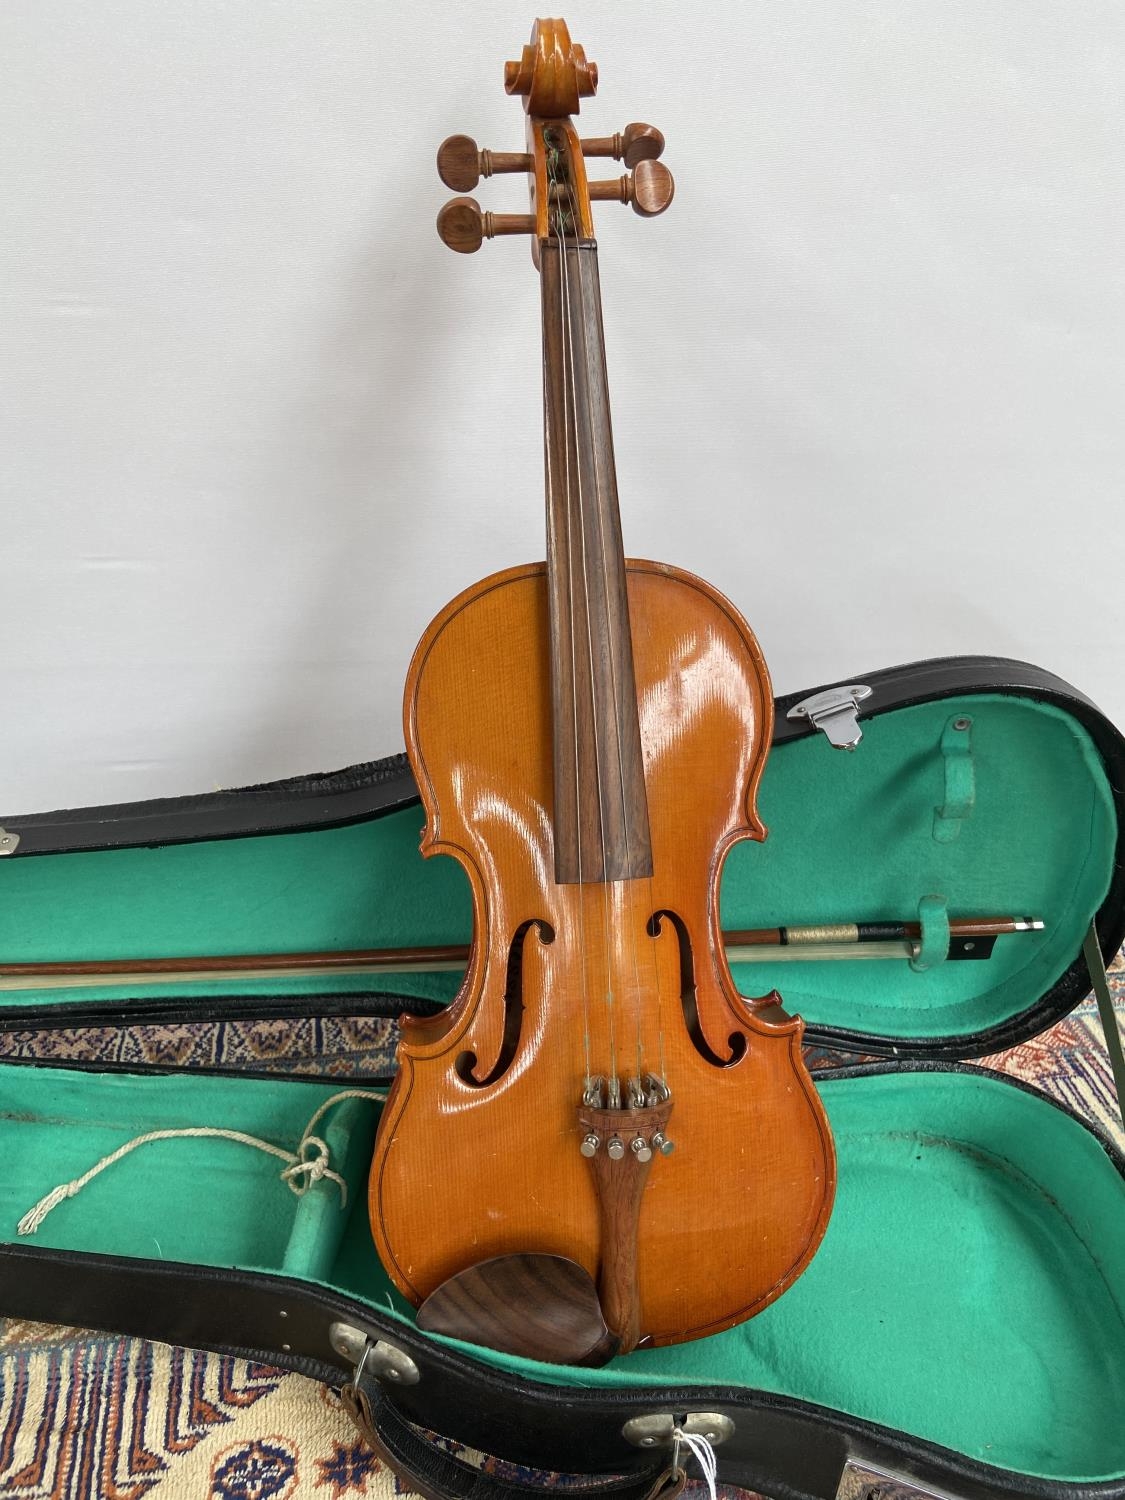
(851,838)
(968,1291)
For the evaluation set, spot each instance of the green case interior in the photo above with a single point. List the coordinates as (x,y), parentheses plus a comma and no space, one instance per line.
(970,1290)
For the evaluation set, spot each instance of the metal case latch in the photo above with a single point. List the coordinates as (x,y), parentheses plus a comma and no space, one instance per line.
(867,1481)
(9,842)
(834,712)
(657,1430)
(383,1360)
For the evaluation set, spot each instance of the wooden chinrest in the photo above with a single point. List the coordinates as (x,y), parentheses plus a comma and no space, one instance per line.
(542,1307)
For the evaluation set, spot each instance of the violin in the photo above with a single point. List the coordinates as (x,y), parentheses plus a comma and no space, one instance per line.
(598,1106)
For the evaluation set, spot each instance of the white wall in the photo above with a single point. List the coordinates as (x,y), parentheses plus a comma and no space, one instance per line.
(261,424)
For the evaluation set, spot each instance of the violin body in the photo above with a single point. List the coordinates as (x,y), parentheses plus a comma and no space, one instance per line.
(600,1144)
(479,1150)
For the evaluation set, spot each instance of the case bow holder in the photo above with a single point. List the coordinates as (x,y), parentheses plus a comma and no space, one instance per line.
(933,945)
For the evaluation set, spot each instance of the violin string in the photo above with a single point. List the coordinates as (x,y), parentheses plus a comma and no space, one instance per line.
(638,1004)
(570,350)
(552,545)
(573,257)
(649,883)
(569,425)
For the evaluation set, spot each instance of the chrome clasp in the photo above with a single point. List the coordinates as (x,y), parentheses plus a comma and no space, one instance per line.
(657,1430)
(383,1360)
(835,712)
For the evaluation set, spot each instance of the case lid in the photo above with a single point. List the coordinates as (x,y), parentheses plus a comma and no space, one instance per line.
(981,787)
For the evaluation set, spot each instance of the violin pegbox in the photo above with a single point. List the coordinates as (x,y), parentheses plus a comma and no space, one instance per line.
(552,76)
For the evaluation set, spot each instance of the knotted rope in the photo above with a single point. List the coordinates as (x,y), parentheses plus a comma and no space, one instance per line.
(305,1166)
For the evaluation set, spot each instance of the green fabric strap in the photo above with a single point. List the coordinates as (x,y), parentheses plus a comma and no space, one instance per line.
(960,780)
(1091,951)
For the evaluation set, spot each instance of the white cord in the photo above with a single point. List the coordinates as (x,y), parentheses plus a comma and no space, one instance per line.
(703,1453)
(306,1166)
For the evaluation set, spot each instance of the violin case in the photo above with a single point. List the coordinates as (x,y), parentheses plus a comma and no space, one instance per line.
(961,1331)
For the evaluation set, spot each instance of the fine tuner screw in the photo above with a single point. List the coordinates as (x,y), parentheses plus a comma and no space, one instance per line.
(591,1143)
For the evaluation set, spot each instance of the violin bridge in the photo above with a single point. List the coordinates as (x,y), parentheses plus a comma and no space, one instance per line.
(620,1144)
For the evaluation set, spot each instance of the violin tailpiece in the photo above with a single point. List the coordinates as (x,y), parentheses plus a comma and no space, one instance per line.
(621,1145)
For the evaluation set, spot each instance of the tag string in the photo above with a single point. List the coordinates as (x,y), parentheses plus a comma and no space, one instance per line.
(703,1453)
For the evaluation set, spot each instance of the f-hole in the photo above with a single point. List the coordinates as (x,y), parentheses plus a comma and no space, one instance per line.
(689,998)
(513,1009)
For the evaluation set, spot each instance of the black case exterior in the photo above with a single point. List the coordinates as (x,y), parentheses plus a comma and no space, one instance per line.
(791,1450)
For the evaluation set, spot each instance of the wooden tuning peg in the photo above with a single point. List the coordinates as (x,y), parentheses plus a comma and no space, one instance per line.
(649,187)
(461,165)
(464,227)
(636,143)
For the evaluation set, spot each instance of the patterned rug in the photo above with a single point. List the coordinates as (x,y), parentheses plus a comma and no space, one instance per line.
(91,1415)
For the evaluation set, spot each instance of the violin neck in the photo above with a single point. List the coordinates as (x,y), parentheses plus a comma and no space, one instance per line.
(601,809)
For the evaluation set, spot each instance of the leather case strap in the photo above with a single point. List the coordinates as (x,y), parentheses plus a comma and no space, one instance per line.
(437,1475)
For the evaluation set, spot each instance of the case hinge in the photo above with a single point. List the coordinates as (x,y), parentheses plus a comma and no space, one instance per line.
(656,1430)
(867,1481)
(835,713)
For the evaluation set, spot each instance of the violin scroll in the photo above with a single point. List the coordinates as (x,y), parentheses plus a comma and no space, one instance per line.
(552,76)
